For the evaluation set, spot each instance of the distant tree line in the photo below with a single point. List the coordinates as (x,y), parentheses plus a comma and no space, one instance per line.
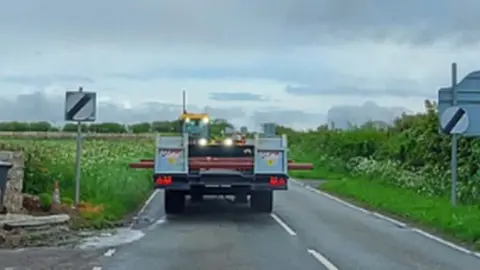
(107,127)
(145,127)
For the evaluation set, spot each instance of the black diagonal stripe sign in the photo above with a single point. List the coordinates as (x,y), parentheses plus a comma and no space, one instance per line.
(78,106)
(454,120)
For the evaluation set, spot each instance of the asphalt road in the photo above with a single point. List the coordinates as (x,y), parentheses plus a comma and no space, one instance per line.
(307,231)
(50,259)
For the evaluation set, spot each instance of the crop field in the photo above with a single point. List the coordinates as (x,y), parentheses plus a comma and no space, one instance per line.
(106,178)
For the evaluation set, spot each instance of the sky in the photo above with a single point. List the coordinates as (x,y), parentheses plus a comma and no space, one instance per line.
(288,61)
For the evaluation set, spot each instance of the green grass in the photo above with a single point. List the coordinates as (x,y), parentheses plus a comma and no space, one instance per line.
(461,223)
(317,173)
(106,178)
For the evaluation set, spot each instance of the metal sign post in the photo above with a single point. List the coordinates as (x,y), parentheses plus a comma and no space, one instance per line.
(456,105)
(80,107)
(454,154)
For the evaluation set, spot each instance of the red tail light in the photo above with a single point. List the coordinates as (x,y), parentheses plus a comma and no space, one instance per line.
(277,181)
(164,180)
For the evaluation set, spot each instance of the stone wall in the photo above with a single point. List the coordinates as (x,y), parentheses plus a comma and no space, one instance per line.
(13,199)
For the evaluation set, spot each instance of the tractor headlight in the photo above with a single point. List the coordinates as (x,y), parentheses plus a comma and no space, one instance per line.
(228,142)
(205,120)
(202,142)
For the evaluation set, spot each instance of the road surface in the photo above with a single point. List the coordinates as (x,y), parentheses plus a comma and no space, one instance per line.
(307,231)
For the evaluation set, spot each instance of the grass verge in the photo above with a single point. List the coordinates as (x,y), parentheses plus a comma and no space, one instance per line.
(317,173)
(460,224)
(110,190)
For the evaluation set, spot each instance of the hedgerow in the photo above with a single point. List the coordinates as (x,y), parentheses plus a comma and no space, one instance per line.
(411,154)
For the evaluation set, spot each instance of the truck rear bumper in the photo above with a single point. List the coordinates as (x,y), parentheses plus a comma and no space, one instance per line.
(221,183)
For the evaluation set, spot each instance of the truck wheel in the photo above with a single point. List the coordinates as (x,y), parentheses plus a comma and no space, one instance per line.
(174,202)
(197,197)
(262,201)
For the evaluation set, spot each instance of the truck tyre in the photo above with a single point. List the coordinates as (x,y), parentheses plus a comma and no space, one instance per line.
(174,202)
(197,197)
(262,201)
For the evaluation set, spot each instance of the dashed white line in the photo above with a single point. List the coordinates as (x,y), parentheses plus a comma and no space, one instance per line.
(319,257)
(283,224)
(109,253)
(97,268)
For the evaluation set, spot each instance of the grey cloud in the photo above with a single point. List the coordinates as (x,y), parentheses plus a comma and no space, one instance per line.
(40,107)
(239,96)
(291,118)
(344,116)
(225,113)
(270,68)
(44,80)
(241,24)
(393,91)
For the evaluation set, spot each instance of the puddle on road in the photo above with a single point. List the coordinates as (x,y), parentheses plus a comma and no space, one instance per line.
(120,236)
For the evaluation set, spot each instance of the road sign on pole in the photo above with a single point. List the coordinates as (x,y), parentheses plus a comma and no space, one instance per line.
(456,105)
(454,120)
(465,95)
(81,107)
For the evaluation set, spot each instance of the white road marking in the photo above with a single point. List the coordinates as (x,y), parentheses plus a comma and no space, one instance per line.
(338,200)
(283,224)
(147,202)
(109,253)
(389,219)
(97,268)
(331,197)
(160,221)
(319,257)
(442,241)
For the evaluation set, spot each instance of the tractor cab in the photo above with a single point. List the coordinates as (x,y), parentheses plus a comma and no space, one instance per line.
(197,125)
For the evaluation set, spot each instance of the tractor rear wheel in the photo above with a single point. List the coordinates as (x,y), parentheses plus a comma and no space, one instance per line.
(262,201)
(174,202)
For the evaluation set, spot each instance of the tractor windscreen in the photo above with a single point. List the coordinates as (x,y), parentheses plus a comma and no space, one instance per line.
(196,128)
